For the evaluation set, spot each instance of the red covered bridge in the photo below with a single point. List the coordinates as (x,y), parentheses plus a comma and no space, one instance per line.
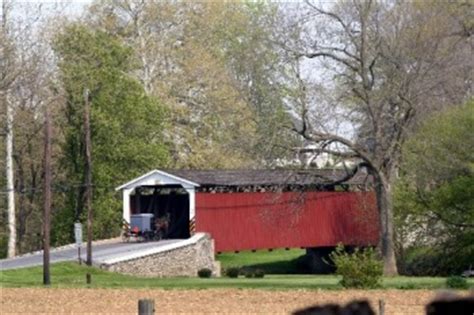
(258,209)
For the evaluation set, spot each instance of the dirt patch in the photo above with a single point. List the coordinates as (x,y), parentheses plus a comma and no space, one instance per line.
(24,301)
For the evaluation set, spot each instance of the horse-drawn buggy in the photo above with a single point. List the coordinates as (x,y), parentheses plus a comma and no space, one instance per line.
(144,227)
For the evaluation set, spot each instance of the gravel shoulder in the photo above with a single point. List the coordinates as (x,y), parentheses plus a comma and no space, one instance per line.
(229,301)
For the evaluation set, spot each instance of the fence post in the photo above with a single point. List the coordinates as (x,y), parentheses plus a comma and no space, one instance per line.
(381,307)
(146,307)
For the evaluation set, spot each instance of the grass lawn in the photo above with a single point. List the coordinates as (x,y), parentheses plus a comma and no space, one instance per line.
(73,275)
(279,261)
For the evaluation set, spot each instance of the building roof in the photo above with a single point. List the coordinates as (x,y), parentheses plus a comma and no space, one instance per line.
(266,177)
(233,178)
(157,177)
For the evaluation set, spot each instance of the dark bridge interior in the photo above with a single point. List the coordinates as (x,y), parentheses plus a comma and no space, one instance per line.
(162,201)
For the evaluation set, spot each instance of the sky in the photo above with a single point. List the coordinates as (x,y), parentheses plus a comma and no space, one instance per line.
(70,7)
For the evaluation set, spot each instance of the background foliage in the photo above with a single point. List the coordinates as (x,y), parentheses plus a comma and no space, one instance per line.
(170,85)
(226,85)
(435,196)
(126,127)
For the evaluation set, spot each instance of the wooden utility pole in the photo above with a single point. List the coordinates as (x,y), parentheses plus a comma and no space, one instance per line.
(47,196)
(88,174)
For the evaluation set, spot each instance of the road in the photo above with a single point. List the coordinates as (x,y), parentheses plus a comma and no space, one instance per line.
(100,252)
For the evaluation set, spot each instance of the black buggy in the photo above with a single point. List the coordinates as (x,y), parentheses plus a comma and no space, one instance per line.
(143,227)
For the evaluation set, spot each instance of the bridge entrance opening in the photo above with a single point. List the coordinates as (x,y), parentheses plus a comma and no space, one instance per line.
(169,205)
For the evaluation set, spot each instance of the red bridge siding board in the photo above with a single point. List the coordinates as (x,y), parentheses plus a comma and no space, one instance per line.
(243,221)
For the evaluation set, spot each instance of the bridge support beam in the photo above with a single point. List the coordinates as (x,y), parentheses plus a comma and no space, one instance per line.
(318,261)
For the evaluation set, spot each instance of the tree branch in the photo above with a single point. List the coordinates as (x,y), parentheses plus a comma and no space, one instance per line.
(359,152)
(331,56)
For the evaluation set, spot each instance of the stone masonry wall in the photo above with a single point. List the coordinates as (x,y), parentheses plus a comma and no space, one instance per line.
(181,261)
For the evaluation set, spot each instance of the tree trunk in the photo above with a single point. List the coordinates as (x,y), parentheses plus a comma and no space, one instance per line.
(21,217)
(384,201)
(10,182)
(47,198)
(88,174)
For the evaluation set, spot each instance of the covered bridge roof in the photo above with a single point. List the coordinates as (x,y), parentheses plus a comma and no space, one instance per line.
(266,177)
(239,178)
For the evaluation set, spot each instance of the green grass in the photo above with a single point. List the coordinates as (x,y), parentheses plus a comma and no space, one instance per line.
(72,275)
(278,261)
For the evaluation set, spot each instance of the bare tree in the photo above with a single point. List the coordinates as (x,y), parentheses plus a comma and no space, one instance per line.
(385,66)
(47,197)
(26,75)
(6,81)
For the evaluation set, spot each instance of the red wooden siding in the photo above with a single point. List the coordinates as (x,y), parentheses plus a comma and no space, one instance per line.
(243,221)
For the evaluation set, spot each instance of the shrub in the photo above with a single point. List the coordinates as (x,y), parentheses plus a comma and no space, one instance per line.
(204,273)
(252,272)
(244,270)
(3,246)
(232,272)
(259,273)
(361,269)
(407,286)
(421,261)
(439,260)
(247,272)
(457,282)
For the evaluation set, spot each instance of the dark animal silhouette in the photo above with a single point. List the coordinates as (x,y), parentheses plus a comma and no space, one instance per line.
(449,303)
(444,304)
(354,308)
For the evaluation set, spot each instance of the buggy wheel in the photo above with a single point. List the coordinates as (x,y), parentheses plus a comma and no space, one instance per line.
(158,236)
(125,237)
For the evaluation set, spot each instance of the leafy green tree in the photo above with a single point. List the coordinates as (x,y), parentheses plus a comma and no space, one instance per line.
(126,126)
(258,70)
(435,197)
(215,67)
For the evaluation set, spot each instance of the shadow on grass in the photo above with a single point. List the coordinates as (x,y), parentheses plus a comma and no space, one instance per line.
(297,266)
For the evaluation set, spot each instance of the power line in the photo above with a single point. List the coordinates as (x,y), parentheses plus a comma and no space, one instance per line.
(56,188)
